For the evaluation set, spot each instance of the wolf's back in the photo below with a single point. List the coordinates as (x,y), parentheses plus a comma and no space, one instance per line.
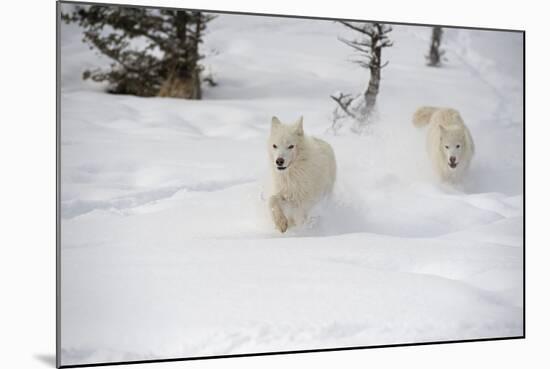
(423,115)
(325,158)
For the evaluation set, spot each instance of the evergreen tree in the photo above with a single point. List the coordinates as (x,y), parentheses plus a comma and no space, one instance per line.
(154,52)
(373,38)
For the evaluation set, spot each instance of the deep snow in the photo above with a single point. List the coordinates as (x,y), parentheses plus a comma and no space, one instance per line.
(166,247)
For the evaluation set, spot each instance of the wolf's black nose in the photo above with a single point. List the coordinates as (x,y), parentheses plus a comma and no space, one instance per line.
(280,161)
(452,159)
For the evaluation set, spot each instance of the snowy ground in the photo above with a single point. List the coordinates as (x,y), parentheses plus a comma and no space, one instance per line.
(166,247)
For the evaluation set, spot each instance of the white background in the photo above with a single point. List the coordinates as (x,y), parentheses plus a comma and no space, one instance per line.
(27,193)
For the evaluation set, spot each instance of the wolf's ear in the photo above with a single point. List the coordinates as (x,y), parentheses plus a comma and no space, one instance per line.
(300,126)
(275,122)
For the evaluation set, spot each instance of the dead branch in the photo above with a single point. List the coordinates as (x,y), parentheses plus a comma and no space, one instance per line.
(344,101)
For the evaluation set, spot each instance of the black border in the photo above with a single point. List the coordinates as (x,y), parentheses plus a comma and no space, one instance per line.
(58,184)
(58,192)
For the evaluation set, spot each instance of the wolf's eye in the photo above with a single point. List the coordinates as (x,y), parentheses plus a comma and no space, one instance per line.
(458,146)
(274,146)
(291,147)
(446,146)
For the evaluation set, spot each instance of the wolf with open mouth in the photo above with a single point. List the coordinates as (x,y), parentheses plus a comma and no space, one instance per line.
(303,170)
(449,143)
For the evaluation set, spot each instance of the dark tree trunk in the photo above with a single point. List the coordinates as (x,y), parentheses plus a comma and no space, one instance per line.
(196,78)
(434,58)
(180,82)
(374,81)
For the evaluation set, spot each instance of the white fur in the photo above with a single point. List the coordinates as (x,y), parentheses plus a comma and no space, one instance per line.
(309,173)
(448,140)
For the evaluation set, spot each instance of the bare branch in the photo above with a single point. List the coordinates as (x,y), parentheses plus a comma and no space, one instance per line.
(356,46)
(344,102)
(365,29)
(365,64)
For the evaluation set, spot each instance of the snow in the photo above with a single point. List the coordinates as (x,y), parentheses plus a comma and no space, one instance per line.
(167,249)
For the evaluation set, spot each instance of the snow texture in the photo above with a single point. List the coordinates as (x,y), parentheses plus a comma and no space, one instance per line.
(167,249)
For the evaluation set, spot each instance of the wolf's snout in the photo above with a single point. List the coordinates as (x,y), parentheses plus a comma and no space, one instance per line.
(452,162)
(280,161)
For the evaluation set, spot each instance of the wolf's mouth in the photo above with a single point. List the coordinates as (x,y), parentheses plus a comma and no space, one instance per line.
(453,165)
(281,168)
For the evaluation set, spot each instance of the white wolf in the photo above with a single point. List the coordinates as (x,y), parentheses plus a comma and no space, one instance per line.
(303,170)
(450,144)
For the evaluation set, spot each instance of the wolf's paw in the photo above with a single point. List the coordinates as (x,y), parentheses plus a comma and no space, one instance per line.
(280,222)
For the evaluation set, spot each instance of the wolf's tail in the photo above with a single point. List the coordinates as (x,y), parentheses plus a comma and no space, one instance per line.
(422,115)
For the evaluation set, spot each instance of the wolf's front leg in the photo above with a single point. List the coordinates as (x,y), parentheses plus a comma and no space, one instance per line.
(277,213)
